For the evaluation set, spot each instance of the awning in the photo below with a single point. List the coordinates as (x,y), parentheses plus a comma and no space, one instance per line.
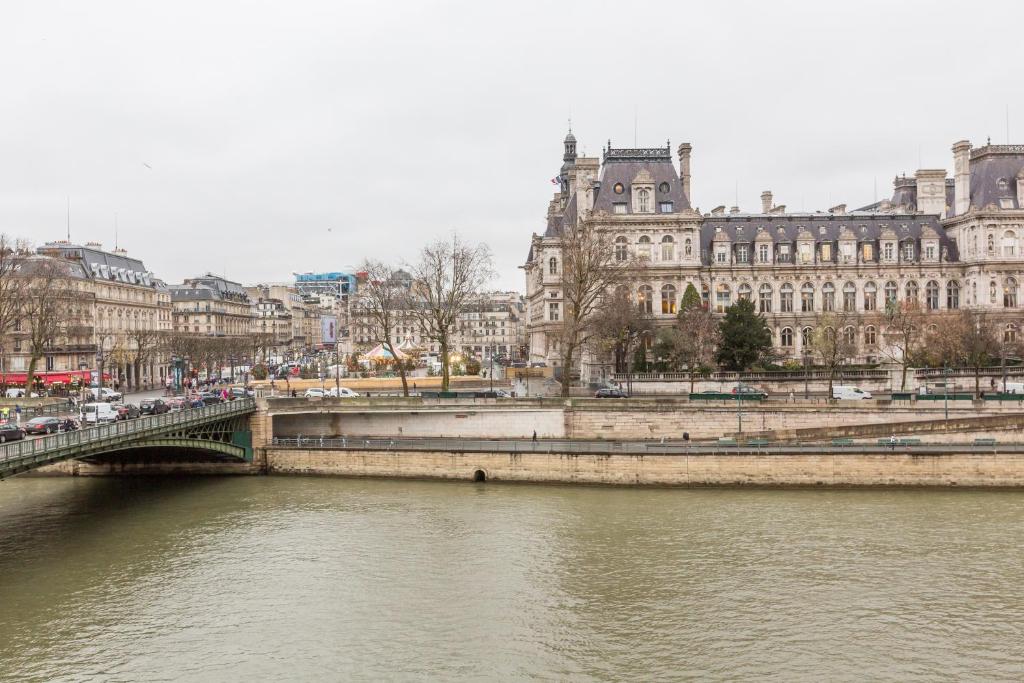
(47,378)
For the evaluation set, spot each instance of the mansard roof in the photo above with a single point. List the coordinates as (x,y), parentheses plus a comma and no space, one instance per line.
(623,166)
(824,228)
(994,175)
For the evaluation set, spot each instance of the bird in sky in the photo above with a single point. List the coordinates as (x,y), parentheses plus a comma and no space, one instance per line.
(147,165)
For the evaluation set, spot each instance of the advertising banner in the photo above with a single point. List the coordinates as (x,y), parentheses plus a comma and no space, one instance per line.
(328,329)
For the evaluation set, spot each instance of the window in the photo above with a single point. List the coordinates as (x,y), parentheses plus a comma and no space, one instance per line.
(849,297)
(621,249)
(645,299)
(1010,333)
(742,253)
(890,292)
(668,248)
(911,290)
(805,252)
(1010,293)
(908,251)
(846,251)
(888,251)
(805,339)
(705,296)
(870,296)
(743,293)
(784,256)
(1009,243)
(619,207)
(826,251)
(618,188)
(867,252)
(723,297)
(786,298)
(850,336)
(763,253)
(553,310)
(643,249)
(786,337)
(688,246)
(952,294)
(663,188)
(828,297)
(807,298)
(929,252)
(553,266)
(721,253)
(869,335)
(931,295)
(764,298)
(665,207)
(668,299)
(643,201)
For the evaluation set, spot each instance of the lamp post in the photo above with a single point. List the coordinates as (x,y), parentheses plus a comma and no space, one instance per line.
(490,373)
(807,363)
(945,388)
(739,404)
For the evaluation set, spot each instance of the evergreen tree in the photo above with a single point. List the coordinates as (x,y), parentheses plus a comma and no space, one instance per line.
(691,299)
(745,338)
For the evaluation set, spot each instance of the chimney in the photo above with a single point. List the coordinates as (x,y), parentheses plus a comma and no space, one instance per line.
(684,168)
(931,191)
(766,201)
(94,245)
(734,209)
(838,210)
(777,210)
(962,177)
(120,251)
(718,210)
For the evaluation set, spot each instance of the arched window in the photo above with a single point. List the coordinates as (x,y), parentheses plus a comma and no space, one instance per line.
(911,291)
(621,248)
(645,299)
(1010,333)
(764,298)
(668,248)
(743,292)
(1009,243)
(807,298)
(668,299)
(890,292)
(805,338)
(787,337)
(991,241)
(643,249)
(850,336)
(786,298)
(931,295)
(723,297)
(828,297)
(952,294)
(553,266)
(869,335)
(643,201)
(1010,293)
(870,296)
(849,297)
(688,246)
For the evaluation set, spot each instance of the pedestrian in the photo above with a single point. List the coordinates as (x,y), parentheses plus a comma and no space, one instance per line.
(535,436)
(892,442)
(294,394)
(17,413)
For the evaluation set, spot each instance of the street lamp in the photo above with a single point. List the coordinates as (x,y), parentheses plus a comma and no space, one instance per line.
(807,363)
(945,388)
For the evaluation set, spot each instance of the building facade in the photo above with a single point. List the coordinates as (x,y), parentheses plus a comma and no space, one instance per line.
(943,243)
(211,306)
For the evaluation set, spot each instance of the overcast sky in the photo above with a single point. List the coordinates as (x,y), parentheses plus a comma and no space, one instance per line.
(263,139)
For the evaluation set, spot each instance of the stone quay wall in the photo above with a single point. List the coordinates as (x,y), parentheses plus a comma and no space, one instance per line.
(899,468)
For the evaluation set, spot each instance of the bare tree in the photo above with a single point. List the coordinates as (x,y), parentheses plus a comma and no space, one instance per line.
(49,300)
(618,325)
(903,335)
(12,287)
(383,300)
(143,344)
(446,278)
(967,338)
(693,340)
(831,343)
(589,269)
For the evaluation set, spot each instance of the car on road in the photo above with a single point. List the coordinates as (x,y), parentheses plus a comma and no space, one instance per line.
(848,393)
(153,406)
(105,394)
(177,403)
(210,398)
(127,411)
(11,432)
(341,392)
(610,392)
(315,393)
(241,392)
(747,391)
(43,425)
(97,413)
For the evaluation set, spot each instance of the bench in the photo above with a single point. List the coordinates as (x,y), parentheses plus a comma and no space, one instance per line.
(842,442)
(899,442)
(984,442)
(726,442)
(757,442)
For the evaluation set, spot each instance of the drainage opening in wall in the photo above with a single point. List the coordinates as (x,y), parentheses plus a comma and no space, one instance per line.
(479,475)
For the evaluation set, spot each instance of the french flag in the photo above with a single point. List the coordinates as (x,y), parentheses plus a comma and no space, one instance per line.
(556,180)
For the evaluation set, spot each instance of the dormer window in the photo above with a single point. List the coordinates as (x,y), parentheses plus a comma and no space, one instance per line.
(619,207)
(643,201)
(763,253)
(665,207)
(908,251)
(826,252)
(721,253)
(618,189)
(888,251)
(663,188)
(929,252)
(742,253)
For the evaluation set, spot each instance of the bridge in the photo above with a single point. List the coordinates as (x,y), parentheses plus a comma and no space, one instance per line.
(220,430)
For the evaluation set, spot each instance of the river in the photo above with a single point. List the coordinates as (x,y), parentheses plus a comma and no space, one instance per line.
(278,578)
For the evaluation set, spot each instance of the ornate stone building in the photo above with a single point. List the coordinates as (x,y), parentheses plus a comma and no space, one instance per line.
(946,243)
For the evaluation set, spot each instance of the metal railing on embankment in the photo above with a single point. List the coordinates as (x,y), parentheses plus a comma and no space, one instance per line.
(600,447)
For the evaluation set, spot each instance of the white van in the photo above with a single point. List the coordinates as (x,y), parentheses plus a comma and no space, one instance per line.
(849,393)
(1015,387)
(342,392)
(105,394)
(98,413)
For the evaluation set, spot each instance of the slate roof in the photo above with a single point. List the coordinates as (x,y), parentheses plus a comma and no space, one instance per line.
(623,165)
(991,164)
(96,259)
(742,228)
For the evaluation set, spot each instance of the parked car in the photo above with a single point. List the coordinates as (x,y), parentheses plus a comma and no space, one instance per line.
(153,406)
(210,399)
(105,394)
(241,392)
(11,432)
(747,391)
(341,392)
(315,393)
(849,393)
(177,403)
(42,425)
(128,411)
(610,392)
(97,413)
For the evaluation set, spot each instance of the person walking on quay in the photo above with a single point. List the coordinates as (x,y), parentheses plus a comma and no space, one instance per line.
(17,414)
(535,436)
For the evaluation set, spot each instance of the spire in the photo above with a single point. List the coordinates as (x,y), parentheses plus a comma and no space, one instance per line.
(570,147)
